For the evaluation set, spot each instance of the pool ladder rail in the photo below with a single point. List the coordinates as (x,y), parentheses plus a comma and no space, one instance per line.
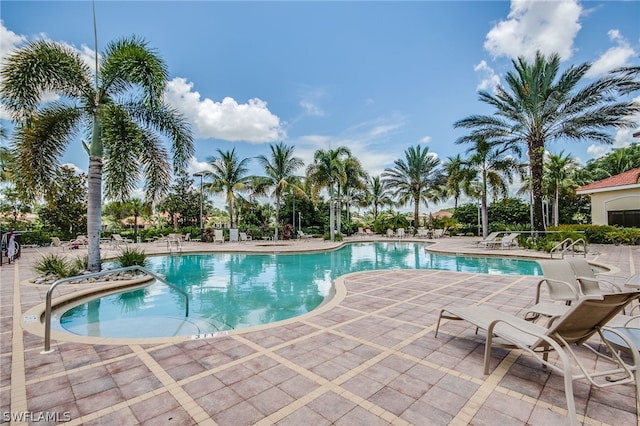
(174,243)
(569,245)
(47,312)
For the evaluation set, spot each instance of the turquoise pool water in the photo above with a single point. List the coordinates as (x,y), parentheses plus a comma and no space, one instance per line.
(237,290)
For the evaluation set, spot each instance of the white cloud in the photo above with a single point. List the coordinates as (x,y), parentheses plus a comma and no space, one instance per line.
(489,79)
(615,57)
(426,139)
(9,40)
(310,108)
(532,25)
(227,120)
(194,166)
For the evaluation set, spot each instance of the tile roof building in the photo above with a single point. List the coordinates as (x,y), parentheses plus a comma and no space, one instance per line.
(615,200)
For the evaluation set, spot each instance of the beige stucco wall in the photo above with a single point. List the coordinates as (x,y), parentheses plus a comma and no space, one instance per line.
(603,202)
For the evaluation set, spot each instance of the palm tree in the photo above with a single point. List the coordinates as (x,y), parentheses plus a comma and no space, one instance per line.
(328,171)
(492,169)
(457,174)
(354,185)
(280,169)
(558,171)
(228,174)
(137,208)
(379,195)
(539,105)
(120,107)
(414,178)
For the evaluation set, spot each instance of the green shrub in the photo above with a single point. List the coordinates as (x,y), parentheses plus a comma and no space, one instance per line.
(336,237)
(599,234)
(53,264)
(39,238)
(131,256)
(81,262)
(629,236)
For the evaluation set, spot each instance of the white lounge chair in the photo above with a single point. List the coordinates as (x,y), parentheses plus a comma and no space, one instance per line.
(244,237)
(590,283)
(117,240)
(61,245)
(491,239)
(218,236)
(509,241)
(562,288)
(302,235)
(586,318)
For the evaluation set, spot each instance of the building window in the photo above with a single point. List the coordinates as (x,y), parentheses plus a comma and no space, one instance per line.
(626,218)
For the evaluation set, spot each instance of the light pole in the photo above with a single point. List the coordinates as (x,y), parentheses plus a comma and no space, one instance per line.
(200,175)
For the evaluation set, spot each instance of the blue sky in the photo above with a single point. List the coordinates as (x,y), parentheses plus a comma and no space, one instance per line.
(376,77)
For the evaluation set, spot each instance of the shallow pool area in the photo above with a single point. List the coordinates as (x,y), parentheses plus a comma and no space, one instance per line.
(237,290)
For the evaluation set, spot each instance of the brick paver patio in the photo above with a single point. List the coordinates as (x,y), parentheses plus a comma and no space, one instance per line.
(367,358)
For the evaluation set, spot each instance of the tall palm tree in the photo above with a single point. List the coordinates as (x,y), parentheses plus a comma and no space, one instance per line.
(280,172)
(120,108)
(137,208)
(379,195)
(414,178)
(354,184)
(558,171)
(540,105)
(228,174)
(456,175)
(492,169)
(328,171)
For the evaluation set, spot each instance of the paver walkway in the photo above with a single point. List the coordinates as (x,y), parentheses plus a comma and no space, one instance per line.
(368,358)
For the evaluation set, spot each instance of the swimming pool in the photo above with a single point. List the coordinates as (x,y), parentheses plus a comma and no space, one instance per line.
(237,290)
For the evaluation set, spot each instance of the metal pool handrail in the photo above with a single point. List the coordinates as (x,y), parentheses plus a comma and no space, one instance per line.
(47,312)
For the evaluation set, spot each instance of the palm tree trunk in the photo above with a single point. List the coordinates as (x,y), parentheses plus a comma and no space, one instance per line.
(416,212)
(536,153)
(94,212)
(485,215)
(275,232)
(556,208)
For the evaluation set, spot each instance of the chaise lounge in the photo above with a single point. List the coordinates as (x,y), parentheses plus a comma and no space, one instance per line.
(586,318)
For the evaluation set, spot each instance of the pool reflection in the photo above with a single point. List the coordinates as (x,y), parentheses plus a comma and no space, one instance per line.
(236,290)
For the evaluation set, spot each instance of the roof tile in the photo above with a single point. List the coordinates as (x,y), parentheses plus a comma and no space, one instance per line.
(627,178)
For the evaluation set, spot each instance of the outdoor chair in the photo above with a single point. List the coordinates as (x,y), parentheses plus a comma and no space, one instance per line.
(561,286)
(491,239)
(61,245)
(118,240)
(218,236)
(400,233)
(508,241)
(589,282)
(244,237)
(302,235)
(586,318)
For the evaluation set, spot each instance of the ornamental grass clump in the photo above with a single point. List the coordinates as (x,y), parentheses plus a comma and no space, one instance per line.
(58,266)
(132,257)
